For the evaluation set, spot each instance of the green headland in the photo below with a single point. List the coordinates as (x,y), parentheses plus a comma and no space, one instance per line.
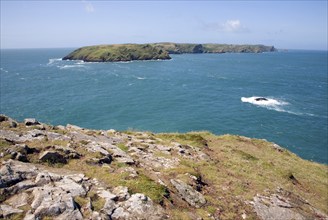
(156,51)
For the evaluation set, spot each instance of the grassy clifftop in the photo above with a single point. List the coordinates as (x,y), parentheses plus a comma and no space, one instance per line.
(176,48)
(118,52)
(156,51)
(194,175)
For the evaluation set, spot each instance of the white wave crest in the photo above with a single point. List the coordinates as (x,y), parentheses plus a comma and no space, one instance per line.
(276,105)
(3,70)
(54,60)
(70,66)
(268,103)
(263,101)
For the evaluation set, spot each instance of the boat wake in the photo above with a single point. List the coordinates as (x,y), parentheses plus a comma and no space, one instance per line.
(268,103)
(263,101)
(276,105)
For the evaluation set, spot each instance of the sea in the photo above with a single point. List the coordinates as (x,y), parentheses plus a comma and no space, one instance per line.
(190,92)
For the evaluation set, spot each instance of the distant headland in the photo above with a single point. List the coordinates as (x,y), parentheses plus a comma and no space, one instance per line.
(156,51)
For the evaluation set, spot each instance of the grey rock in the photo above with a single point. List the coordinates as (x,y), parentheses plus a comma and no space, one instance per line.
(117,153)
(59,127)
(163,148)
(12,123)
(56,136)
(18,200)
(34,134)
(73,215)
(95,147)
(78,178)
(120,213)
(69,152)
(52,157)
(285,205)
(52,193)
(109,207)
(54,201)
(278,148)
(96,216)
(10,136)
(138,206)
(44,178)
(70,186)
(3,118)
(151,161)
(73,127)
(121,192)
(106,195)
(31,121)
(6,210)
(190,195)
(13,172)
(272,208)
(19,187)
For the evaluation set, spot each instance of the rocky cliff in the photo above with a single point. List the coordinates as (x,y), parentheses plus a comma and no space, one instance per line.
(68,172)
(156,51)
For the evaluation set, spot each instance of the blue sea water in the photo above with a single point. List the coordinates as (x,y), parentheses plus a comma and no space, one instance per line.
(191,92)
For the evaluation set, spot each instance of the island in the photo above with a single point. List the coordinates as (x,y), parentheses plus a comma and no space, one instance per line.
(156,51)
(70,172)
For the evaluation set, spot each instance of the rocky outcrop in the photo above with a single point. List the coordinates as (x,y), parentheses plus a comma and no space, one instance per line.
(138,206)
(284,205)
(31,121)
(12,123)
(69,172)
(7,211)
(52,157)
(190,195)
(53,195)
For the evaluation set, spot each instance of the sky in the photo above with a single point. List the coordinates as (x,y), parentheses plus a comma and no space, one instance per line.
(70,24)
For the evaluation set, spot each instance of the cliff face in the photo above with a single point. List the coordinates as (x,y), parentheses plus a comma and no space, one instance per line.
(67,172)
(156,51)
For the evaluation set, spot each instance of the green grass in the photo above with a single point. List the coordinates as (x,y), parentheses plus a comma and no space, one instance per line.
(196,139)
(97,202)
(123,147)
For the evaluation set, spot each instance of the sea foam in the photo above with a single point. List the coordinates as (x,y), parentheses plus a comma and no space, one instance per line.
(269,103)
(266,103)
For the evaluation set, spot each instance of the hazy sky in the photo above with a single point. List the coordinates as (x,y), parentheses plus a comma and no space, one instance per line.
(50,24)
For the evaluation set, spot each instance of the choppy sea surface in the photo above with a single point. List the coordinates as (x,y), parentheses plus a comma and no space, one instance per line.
(191,92)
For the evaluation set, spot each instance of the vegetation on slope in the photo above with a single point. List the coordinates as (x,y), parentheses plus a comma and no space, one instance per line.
(230,171)
(118,52)
(156,51)
(179,48)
